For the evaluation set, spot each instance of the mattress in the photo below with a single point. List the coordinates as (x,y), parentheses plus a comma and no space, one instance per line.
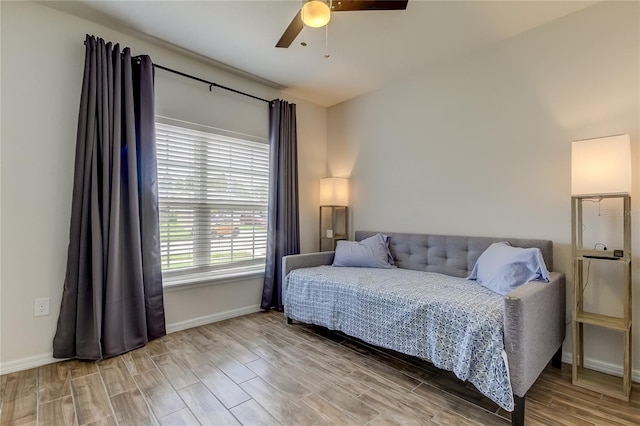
(454,323)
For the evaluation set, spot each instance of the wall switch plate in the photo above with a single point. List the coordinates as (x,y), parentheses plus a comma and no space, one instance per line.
(41,307)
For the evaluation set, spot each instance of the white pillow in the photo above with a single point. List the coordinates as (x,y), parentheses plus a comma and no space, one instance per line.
(372,252)
(501,267)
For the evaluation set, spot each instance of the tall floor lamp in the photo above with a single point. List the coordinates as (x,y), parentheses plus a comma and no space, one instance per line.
(601,170)
(334,212)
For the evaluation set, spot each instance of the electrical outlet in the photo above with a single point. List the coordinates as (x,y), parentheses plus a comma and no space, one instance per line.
(41,307)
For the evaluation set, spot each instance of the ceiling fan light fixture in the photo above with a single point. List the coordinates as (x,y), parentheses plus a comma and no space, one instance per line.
(316,13)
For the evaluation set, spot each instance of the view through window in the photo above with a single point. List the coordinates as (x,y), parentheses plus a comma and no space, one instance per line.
(213,196)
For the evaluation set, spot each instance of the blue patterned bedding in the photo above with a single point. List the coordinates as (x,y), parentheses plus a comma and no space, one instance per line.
(454,323)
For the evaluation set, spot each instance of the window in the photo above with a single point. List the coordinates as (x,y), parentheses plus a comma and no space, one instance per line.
(213,196)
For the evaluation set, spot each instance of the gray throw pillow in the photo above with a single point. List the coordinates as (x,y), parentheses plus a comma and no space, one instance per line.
(372,252)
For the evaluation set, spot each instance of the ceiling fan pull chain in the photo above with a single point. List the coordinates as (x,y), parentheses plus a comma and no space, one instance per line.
(326,41)
(326,34)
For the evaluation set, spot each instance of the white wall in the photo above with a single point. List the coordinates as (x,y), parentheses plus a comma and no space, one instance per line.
(482,146)
(42,64)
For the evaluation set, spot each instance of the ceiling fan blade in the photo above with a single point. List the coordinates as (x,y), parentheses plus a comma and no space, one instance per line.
(351,5)
(292,31)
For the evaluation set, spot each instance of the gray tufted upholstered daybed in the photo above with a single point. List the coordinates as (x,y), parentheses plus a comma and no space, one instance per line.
(533,313)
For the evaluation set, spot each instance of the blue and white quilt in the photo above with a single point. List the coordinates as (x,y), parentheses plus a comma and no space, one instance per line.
(454,323)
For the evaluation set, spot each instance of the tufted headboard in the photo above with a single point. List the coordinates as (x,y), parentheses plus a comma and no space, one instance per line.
(449,254)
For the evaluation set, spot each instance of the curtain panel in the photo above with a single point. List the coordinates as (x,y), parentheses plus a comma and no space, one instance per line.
(283,224)
(112,300)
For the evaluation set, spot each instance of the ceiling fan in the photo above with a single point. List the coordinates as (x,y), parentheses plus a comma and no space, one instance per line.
(316,13)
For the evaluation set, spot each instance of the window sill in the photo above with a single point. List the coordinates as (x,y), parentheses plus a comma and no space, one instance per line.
(207,279)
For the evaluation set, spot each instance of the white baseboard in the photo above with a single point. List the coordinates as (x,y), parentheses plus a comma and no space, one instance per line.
(47,358)
(27,363)
(602,367)
(208,319)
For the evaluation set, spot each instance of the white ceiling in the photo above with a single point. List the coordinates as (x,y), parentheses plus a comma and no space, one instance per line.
(368,49)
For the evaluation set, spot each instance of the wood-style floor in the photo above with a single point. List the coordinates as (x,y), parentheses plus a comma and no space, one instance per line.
(257,370)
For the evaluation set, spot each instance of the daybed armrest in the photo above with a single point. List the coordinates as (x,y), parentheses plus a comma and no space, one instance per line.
(534,328)
(307,260)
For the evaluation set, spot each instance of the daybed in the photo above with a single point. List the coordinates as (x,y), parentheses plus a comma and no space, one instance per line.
(502,343)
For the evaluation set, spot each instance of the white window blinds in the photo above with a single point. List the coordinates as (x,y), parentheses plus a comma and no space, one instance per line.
(213,195)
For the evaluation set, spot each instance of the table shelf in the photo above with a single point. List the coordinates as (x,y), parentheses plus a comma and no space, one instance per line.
(616,387)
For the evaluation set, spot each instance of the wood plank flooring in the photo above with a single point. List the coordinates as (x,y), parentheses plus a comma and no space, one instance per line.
(257,370)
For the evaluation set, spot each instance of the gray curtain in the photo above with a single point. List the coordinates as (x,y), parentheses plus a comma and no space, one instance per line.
(112,300)
(283,229)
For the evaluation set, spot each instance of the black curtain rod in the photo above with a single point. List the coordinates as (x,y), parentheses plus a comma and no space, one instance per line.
(210,83)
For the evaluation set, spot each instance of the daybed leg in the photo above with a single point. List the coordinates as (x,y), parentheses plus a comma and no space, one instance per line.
(289,320)
(556,361)
(517,417)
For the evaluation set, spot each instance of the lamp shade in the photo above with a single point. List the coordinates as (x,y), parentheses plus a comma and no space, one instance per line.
(601,166)
(316,13)
(334,191)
